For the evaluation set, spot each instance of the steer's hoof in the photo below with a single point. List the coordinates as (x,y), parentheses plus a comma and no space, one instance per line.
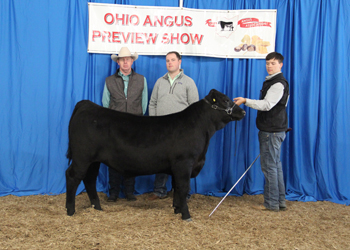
(97,207)
(70,213)
(188,220)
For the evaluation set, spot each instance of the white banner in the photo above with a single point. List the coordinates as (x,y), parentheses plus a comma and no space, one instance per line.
(150,30)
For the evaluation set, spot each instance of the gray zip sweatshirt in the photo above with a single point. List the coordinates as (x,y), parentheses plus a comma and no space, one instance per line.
(167,99)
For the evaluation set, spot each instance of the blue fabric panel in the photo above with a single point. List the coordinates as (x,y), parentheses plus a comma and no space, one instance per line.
(45,70)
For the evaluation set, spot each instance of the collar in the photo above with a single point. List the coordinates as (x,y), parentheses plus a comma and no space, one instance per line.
(119,73)
(166,76)
(270,76)
(177,76)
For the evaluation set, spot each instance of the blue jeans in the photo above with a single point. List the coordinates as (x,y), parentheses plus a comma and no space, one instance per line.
(271,166)
(160,188)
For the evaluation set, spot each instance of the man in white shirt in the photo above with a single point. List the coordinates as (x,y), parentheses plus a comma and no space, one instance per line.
(272,122)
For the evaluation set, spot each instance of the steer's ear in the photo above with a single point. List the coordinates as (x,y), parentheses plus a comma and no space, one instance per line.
(211,97)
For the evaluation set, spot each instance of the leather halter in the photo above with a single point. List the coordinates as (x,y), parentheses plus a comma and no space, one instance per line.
(227,110)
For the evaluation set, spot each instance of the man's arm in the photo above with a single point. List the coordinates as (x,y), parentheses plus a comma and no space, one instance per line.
(273,96)
(152,108)
(144,96)
(105,97)
(192,94)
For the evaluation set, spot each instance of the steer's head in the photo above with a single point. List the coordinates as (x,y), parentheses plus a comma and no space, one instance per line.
(222,103)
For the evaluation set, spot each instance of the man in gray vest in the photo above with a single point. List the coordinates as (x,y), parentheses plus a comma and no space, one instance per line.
(125,91)
(272,122)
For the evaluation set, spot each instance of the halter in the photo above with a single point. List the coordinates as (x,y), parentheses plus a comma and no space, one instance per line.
(227,110)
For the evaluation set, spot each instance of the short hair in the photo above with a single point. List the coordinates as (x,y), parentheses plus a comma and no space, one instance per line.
(275,55)
(176,53)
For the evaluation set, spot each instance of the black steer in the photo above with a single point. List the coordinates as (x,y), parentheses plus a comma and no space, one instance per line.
(134,145)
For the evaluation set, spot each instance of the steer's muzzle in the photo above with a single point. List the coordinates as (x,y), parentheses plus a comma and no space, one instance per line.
(243,114)
(238,114)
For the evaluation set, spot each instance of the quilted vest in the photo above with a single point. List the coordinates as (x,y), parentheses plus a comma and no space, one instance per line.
(274,120)
(133,102)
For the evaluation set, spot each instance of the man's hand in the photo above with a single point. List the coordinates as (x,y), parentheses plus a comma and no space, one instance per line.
(239,100)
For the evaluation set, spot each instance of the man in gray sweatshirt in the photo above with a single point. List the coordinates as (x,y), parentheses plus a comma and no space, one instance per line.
(172,93)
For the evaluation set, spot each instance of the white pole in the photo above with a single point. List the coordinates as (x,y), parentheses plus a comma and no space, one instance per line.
(181,3)
(234,185)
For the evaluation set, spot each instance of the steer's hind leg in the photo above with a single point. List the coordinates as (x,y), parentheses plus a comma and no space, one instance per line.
(72,183)
(90,184)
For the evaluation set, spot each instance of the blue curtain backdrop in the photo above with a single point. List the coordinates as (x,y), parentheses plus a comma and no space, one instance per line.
(45,70)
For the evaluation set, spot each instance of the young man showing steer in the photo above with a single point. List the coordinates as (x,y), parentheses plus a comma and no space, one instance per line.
(272,122)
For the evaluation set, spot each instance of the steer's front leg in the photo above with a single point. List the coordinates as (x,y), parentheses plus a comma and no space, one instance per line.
(183,206)
(182,187)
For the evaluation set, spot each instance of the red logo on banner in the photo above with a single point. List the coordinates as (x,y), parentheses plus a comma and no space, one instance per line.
(210,23)
(252,22)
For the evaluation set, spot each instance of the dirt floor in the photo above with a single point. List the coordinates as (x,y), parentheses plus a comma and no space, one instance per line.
(40,222)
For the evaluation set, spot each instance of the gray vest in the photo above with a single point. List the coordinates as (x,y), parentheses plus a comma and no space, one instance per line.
(133,103)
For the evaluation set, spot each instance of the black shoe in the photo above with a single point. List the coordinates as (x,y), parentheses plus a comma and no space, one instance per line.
(130,197)
(112,198)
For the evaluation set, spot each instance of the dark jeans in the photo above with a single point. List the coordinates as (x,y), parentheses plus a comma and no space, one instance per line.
(271,166)
(160,188)
(115,182)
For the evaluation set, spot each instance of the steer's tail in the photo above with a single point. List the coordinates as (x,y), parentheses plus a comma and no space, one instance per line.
(69,154)
(69,150)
